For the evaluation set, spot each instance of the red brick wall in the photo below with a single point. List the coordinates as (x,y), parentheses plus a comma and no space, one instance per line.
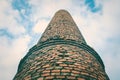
(61,62)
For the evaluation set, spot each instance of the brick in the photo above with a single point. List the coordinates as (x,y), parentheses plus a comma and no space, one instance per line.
(40,79)
(81,67)
(75,72)
(58,67)
(71,65)
(70,68)
(65,70)
(56,71)
(70,77)
(59,62)
(39,70)
(49,77)
(46,74)
(77,69)
(47,65)
(46,71)
(63,65)
(63,73)
(84,73)
(49,68)
(62,60)
(35,75)
(72,53)
(80,79)
(77,64)
(70,60)
(93,75)
(27,77)
(60,76)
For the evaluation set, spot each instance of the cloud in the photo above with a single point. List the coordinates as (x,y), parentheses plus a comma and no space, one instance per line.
(46,8)
(40,26)
(14,40)
(8,18)
(11,52)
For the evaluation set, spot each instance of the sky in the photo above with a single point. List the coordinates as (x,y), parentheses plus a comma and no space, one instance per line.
(22,23)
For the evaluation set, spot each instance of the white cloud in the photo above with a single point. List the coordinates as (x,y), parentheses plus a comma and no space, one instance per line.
(11,52)
(9,17)
(112,58)
(46,8)
(11,49)
(40,26)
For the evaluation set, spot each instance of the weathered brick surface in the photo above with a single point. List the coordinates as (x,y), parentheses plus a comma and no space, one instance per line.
(62,26)
(63,60)
(81,79)
(85,65)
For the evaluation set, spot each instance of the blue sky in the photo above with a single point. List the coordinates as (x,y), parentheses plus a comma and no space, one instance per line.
(23,21)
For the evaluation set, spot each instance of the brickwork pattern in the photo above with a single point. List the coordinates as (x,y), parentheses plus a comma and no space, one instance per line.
(59,62)
(63,26)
